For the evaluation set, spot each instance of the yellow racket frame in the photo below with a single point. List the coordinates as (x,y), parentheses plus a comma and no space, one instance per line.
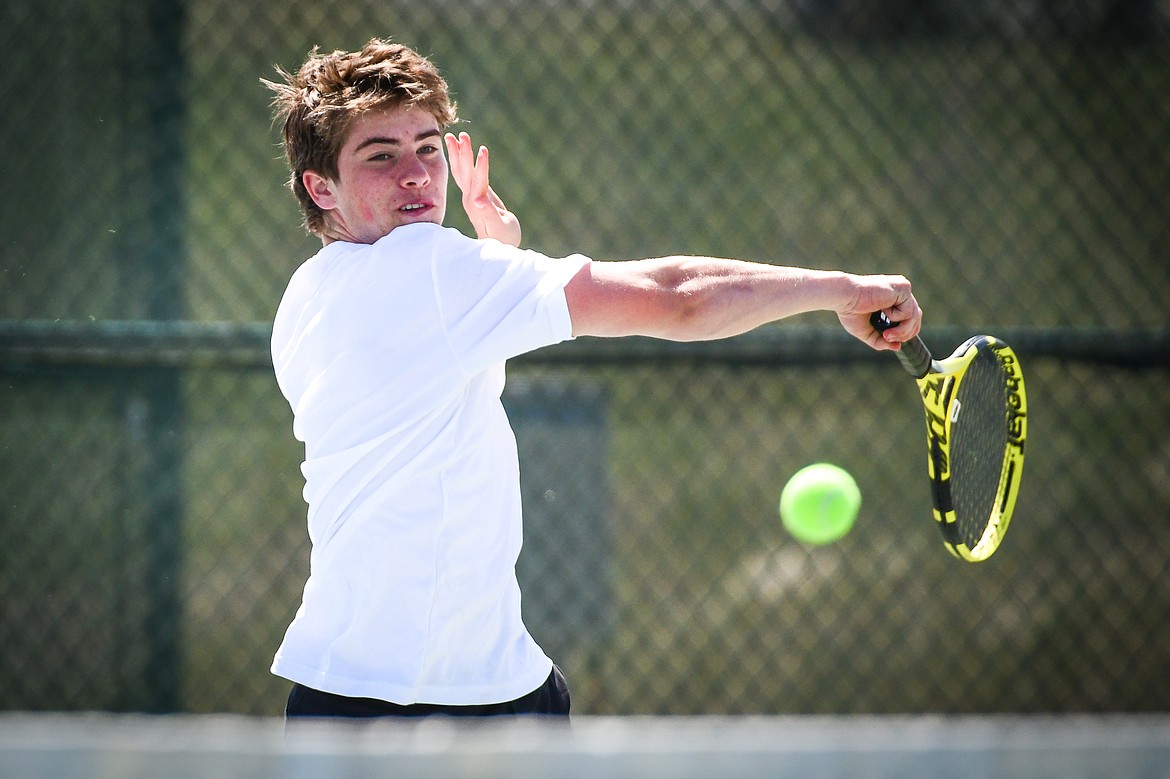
(939,392)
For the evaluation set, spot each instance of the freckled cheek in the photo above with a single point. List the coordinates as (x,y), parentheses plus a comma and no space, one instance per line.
(364,205)
(366,212)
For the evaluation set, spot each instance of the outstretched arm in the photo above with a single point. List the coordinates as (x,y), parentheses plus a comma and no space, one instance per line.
(484,208)
(704,298)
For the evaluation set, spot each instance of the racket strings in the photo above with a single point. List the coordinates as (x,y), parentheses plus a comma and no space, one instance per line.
(979,436)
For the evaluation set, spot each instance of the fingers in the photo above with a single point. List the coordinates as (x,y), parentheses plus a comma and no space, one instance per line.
(905,317)
(892,297)
(479,173)
(471,175)
(859,326)
(454,158)
(459,158)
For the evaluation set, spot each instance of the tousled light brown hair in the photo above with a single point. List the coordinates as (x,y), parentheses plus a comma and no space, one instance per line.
(317,105)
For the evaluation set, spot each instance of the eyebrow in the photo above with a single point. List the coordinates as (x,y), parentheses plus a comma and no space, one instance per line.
(377,139)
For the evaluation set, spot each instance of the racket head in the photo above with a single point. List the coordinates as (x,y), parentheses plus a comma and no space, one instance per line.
(976,428)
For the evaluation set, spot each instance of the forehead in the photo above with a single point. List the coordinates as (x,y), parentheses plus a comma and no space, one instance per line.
(402,125)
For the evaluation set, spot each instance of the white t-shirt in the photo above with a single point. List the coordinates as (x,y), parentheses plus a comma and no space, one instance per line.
(391,356)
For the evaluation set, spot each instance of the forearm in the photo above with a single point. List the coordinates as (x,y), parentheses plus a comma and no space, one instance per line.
(722,298)
(698,298)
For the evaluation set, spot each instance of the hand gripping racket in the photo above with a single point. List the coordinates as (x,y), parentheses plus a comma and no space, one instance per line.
(976,423)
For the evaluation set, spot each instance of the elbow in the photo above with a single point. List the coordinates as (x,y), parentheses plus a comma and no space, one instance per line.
(690,307)
(687,317)
(673,298)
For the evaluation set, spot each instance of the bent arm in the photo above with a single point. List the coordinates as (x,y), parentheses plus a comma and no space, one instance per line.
(706,298)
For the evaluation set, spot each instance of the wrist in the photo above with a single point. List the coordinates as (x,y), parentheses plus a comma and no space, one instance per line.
(836,290)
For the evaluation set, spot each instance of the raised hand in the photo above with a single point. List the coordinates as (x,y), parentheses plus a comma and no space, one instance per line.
(488,215)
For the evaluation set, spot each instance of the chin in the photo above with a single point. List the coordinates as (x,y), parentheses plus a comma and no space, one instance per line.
(425,218)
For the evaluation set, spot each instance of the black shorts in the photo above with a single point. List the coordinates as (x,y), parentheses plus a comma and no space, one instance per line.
(551,698)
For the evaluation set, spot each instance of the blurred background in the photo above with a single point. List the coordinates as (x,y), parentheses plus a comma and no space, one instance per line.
(1009,156)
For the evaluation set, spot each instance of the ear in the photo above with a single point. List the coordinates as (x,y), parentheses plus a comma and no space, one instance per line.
(320,189)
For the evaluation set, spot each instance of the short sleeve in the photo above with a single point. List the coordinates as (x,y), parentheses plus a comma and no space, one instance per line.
(497,301)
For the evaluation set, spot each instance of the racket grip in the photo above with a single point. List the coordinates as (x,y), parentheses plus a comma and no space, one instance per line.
(913,355)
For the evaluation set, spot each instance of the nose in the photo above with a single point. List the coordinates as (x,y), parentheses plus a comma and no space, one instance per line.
(414,173)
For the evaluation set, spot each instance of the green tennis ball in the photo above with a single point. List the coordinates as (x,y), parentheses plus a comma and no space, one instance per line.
(819,503)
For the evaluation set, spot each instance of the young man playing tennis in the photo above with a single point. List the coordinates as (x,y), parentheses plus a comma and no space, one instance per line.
(390,345)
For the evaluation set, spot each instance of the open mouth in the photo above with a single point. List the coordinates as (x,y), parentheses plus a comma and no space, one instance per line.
(409,207)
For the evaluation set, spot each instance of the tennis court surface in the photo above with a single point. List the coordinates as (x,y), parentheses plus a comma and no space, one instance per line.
(810,747)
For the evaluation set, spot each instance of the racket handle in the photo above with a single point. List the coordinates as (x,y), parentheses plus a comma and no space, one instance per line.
(913,355)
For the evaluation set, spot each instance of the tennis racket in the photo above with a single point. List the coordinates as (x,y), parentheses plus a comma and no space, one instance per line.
(976,424)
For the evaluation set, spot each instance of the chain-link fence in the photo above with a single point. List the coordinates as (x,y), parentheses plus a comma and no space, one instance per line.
(1009,156)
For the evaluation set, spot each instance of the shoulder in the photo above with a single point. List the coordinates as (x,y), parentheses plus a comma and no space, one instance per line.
(430,239)
(449,251)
